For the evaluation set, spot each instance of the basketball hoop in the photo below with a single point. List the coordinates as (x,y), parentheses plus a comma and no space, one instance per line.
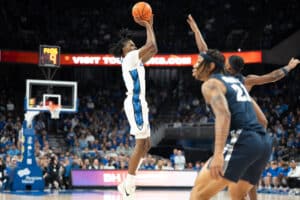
(54,110)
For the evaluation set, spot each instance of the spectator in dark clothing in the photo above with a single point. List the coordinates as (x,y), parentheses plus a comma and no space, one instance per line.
(3,175)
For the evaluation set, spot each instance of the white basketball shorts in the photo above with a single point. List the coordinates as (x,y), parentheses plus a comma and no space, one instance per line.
(137,114)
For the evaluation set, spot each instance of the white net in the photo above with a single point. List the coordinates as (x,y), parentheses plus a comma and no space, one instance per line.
(54,110)
(29,116)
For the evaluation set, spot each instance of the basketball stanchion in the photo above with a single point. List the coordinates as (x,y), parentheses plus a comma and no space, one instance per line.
(29,175)
(50,96)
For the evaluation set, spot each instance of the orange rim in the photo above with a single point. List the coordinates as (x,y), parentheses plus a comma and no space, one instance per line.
(53,107)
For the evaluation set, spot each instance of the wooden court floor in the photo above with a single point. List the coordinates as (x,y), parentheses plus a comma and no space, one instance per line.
(140,195)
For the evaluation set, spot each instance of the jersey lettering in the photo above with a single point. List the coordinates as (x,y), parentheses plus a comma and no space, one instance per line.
(230,79)
(241,93)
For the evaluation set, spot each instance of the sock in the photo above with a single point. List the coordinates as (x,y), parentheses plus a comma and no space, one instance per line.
(130,180)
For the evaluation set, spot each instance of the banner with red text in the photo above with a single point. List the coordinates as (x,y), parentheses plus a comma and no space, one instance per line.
(163,60)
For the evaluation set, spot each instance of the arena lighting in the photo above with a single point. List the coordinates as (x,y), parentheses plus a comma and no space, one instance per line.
(104,60)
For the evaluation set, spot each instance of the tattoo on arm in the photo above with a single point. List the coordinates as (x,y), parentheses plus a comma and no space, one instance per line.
(218,102)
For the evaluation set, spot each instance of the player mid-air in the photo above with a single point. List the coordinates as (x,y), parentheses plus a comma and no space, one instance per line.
(135,105)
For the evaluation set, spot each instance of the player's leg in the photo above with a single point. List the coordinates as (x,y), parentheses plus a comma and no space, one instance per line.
(253,173)
(267,181)
(141,131)
(205,187)
(239,190)
(236,160)
(252,193)
(275,182)
(127,187)
(244,162)
(141,148)
(143,141)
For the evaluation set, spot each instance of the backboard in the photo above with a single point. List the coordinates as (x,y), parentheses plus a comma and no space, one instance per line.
(40,94)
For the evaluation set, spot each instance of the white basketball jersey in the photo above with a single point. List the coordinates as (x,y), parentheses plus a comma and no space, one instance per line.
(133,72)
(135,104)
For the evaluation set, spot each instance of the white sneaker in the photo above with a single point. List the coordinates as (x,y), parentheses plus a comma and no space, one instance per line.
(127,193)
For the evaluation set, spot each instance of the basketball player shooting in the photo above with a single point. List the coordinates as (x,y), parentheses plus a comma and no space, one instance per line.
(135,105)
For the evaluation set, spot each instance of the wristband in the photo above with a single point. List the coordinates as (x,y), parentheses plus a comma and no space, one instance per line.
(284,71)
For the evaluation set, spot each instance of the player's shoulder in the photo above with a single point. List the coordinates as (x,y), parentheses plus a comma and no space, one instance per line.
(240,77)
(131,59)
(222,78)
(132,54)
(211,84)
(230,79)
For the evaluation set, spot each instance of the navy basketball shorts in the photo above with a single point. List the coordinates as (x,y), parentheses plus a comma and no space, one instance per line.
(246,155)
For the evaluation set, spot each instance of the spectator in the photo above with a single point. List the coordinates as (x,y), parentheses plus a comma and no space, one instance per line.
(168,165)
(83,142)
(13,151)
(283,173)
(66,180)
(172,156)
(197,166)
(179,161)
(272,175)
(53,173)
(3,175)
(11,171)
(293,178)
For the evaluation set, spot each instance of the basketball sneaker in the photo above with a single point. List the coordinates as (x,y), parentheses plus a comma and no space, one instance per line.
(128,193)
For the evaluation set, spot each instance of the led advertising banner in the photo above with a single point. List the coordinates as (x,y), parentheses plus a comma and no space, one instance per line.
(147,178)
(104,60)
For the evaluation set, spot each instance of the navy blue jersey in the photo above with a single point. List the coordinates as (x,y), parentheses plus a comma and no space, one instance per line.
(240,77)
(240,104)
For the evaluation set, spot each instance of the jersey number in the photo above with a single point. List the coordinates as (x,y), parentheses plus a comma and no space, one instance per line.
(241,92)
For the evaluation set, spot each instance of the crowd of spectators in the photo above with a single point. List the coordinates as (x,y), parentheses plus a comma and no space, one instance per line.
(90,27)
(280,176)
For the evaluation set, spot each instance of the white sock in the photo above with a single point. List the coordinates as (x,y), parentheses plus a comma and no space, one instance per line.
(130,180)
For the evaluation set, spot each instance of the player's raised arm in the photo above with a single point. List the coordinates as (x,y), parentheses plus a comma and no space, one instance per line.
(201,44)
(252,80)
(149,49)
(213,92)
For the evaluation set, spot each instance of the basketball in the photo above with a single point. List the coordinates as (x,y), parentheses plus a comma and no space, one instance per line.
(142,10)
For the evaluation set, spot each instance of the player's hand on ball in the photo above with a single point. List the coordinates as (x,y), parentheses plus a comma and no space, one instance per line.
(141,22)
(151,20)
